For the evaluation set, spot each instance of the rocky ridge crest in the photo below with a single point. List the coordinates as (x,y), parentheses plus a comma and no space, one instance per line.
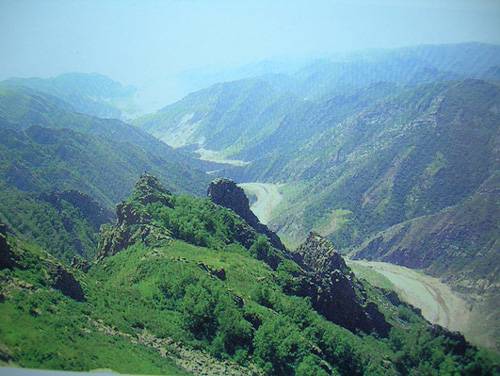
(336,292)
(133,224)
(225,192)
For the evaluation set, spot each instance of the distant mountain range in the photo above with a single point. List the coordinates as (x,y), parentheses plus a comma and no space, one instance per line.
(47,148)
(113,254)
(391,154)
(91,94)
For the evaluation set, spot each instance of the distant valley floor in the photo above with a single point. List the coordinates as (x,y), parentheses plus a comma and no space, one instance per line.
(439,304)
(267,197)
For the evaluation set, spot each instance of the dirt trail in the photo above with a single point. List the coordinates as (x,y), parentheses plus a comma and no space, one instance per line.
(268,197)
(439,304)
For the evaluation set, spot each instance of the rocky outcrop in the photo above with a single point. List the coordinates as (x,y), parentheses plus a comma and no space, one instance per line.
(335,292)
(320,255)
(80,264)
(225,192)
(148,190)
(6,257)
(219,273)
(65,282)
(133,224)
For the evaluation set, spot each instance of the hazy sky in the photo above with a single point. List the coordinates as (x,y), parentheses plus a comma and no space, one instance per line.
(137,41)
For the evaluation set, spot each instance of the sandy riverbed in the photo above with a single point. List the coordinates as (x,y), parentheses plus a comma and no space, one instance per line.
(268,197)
(439,304)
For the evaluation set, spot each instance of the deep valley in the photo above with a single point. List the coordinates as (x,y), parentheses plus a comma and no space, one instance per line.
(331,216)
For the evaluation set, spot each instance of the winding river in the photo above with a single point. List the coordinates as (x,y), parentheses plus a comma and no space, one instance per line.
(267,196)
(439,304)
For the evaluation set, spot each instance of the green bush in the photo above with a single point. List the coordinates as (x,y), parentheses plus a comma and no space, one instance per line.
(279,346)
(311,366)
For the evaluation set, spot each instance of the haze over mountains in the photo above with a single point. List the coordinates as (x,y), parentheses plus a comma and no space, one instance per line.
(385,155)
(394,142)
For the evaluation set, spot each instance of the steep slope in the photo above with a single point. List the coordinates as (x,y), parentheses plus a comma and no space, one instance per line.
(39,159)
(423,169)
(64,223)
(226,193)
(304,123)
(403,158)
(255,120)
(232,114)
(460,245)
(91,94)
(235,116)
(46,148)
(21,108)
(181,218)
(173,307)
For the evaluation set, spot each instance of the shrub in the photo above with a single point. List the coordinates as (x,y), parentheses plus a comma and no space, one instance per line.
(279,346)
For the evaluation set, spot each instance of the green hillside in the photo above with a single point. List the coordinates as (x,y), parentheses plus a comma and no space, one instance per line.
(229,305)
(387,154)
(229,115)
(114,254)
(45,149)
(400,159)
(91,94)
(64,223)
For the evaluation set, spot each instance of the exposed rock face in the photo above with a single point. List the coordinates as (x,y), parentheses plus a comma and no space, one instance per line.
(132,223)
(319,254)
(65,282)
(215,272)
(80,264)
(148,190)
(336,292)
(225,192)
(6,258)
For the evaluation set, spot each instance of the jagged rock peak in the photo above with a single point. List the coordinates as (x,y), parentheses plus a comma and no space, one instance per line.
(339,296)
(149,183)
(225,192)
(65,282)
(319,254)
(133,222)
(149,189)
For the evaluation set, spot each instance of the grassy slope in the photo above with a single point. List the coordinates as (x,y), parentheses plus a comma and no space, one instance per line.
(228,116)
(167,298)
(127,294)
(45,147)
(64,230)
(41,328)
